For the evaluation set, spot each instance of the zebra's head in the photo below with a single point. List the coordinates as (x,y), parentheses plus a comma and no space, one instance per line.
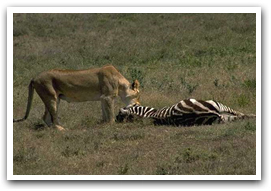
(124,115)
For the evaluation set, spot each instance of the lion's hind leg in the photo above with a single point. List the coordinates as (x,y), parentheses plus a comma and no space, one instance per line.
(52,107)
(47,118)
(51,101)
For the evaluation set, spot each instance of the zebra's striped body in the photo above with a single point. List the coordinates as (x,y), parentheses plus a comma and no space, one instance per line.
(186,113)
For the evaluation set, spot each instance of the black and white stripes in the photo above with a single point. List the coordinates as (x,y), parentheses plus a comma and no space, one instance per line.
(185,113)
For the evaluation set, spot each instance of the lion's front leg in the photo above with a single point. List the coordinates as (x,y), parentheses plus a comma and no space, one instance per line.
(104,115)
(108,109)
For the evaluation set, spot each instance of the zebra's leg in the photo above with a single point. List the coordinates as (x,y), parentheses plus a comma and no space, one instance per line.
(222,119)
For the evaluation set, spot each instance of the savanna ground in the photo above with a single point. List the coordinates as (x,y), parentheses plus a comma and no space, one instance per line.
(174,56)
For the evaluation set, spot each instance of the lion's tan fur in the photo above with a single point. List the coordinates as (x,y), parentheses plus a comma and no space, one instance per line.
(97,84)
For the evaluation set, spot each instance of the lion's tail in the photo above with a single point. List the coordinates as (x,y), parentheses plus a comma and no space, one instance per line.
(29,102)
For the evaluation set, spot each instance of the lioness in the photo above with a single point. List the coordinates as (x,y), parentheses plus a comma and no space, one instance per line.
(97,84)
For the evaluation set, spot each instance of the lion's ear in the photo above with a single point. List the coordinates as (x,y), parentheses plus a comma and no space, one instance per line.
(135,85)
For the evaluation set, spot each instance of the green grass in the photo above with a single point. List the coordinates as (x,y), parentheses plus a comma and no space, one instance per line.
(129,149)
(174,56)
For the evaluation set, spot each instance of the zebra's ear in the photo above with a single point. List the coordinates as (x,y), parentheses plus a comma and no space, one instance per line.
(135,85)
